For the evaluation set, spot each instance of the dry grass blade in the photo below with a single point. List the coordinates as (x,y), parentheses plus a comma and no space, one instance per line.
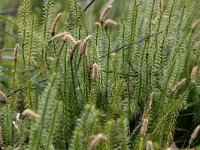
(96,140)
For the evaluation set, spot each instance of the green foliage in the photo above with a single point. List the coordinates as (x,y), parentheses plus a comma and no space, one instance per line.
(100,86)
(47,108)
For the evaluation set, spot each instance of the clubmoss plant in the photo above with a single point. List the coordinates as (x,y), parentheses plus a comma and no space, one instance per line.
(100,82)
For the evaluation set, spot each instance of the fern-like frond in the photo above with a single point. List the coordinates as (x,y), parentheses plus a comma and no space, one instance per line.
(42,129)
